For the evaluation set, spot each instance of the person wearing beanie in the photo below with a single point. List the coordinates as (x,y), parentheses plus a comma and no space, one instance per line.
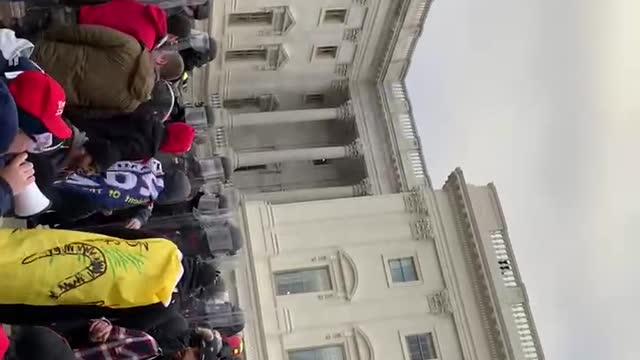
(178,138)
(147,23)
(135,136)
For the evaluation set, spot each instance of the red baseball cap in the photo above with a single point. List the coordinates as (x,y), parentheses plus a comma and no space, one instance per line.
(40,96)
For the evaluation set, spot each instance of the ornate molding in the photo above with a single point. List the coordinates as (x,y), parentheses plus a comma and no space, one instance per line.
(345,111)
(221,138)
(415,202)
(351,34)
(342,69)
(215,101)
(363,188)
(360,334)
(355,149)
(439,302)
(422,229)
(340,86)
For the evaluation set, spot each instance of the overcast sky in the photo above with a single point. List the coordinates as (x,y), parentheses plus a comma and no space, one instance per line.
(543,98)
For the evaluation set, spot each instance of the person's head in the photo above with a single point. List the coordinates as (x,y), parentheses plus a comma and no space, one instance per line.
(169,64)
(198,275)
(179,26)
(213,49)
(177,188)
(162,102)
(178,138)
(39,101)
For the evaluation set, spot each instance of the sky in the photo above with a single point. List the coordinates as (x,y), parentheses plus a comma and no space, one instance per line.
(543,99)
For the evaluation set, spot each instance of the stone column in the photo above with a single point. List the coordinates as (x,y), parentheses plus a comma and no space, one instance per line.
(352,150)
(325,193)
(343,112)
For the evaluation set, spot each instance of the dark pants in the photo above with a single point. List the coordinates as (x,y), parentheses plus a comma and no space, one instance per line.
(38,343)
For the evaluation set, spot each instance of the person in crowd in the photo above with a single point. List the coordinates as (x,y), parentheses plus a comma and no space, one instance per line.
(103,69)
(30,119)
(14,51)
(135,136)
(101,340)
(179,26)
(147,23)
(125,184)
(202,51)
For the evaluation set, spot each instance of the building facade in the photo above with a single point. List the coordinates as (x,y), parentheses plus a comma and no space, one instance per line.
(350,252)
(412,276)
(307,100)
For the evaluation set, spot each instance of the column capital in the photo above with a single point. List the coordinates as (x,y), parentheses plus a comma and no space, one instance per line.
(363,188)
(231,155)
(345,111)
(355,149)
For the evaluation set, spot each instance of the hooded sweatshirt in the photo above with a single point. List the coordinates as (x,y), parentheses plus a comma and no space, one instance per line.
(13,49)
(146,23)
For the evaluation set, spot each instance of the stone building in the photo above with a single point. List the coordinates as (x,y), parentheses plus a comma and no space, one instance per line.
(350,252)
(307,100)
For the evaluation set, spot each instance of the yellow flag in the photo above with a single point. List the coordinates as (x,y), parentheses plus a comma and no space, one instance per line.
(61,267)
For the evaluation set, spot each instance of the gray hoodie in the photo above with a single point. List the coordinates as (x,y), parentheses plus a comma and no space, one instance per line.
(13,49)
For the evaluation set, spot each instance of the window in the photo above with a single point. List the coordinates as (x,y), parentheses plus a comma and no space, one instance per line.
(241,103)
(335,352)
(403,270)
(326,52)
(421,347)
(251,18)
(335,16)
(321,162)
(252,167)
(247,54)
(314,99)
(303,281)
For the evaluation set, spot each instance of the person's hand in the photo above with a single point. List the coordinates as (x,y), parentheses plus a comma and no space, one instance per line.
(19,173)
(133,224)
(208,334)
(80,158)
(99,330)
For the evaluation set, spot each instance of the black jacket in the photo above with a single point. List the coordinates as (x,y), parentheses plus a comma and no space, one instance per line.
(133,136)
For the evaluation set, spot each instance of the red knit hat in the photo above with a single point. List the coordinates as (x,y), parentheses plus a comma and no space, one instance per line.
(42,99)
(178,138)
(158,18)
(4,343)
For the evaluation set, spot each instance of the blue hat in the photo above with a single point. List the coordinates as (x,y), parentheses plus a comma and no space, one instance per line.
(8,118)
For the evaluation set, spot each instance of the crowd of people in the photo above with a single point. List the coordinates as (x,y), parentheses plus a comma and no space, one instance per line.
(89,110)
